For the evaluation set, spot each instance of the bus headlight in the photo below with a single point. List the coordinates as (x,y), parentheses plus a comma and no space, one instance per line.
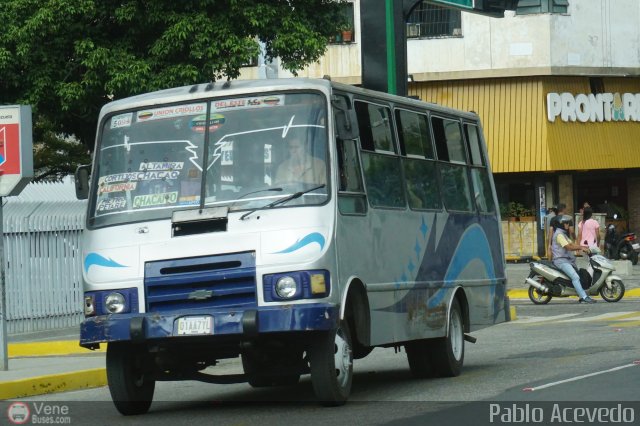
(286,287)
(114,303)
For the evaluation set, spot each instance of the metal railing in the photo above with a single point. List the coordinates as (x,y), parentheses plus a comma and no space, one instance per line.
(43,265)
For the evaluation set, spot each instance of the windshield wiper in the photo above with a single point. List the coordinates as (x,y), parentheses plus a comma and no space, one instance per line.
(282,200)
(257,191)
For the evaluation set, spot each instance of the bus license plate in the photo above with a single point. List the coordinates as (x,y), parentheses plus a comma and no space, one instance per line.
(193,326)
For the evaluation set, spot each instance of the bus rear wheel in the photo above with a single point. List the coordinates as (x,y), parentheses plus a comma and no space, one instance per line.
(447,353)
(131,387)
(331,362)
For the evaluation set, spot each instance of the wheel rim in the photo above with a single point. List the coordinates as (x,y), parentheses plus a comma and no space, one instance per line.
(612,292)
(342,359)
(456,334)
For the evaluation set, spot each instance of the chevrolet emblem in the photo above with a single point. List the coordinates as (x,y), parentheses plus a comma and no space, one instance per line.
(200,294)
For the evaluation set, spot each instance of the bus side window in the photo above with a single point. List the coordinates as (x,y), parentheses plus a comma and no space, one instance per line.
(421,180)
(479,173)
(351,197)
(456,191)
(380,164)
(374,125)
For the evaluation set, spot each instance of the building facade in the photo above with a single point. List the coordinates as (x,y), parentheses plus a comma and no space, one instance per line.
(556,84)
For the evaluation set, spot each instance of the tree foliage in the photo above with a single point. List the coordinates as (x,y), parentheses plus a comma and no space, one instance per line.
(67,58)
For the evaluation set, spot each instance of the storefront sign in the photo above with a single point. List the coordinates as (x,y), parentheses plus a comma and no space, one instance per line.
(599,107)
(16,149)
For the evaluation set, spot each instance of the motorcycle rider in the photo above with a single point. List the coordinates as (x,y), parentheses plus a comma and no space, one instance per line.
(562,249)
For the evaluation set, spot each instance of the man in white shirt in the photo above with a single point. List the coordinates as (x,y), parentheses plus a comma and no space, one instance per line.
(300,166)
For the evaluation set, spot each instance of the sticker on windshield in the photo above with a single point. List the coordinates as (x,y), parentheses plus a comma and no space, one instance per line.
(139,176)
(122,120)
(253,102)
(215,122)
(115,203)
(170,112)
(155,199)
(117,187)
(161,165)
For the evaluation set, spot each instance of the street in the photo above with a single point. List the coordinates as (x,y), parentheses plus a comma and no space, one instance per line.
(563,351)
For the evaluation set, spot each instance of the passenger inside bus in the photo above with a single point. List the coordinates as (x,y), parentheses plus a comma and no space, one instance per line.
(300,166)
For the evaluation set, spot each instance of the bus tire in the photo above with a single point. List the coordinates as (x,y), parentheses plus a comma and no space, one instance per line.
(447,353)
(130,386)
(331,362)
(418,355)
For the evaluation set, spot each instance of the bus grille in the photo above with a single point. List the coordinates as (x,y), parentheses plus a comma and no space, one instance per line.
(221,281)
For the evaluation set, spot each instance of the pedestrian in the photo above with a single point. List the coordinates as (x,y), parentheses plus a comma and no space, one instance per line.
(588,229)
(553,224)
(551,212)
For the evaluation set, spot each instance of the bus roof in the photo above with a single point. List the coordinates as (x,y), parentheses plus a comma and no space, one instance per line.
(238,87)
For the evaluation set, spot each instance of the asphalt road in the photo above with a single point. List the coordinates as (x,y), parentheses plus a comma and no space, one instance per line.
(563,353)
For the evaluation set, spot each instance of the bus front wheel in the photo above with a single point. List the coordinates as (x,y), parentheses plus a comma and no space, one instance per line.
(447,353)
(331,359)
(130,385)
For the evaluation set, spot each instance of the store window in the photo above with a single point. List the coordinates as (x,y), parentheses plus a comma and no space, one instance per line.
(542,6)
(429,21)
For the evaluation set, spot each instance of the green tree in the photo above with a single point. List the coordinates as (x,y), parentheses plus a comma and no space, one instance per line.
(67,58)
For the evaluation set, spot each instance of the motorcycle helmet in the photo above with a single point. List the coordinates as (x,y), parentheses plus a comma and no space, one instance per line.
(566,219)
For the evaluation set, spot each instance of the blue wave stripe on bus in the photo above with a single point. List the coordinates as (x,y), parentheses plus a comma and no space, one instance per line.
(474,237)
(97,259)
(460,237)
(314,237)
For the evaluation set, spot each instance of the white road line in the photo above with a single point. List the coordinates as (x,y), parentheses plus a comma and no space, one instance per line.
(530,320)
(573,379)
(598,317)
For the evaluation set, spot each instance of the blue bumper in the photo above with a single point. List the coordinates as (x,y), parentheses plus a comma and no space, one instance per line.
(228,323)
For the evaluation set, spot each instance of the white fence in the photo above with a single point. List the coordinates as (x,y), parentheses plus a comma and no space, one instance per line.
(43,265)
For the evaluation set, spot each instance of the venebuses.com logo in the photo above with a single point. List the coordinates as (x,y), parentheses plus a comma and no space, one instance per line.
(18,413)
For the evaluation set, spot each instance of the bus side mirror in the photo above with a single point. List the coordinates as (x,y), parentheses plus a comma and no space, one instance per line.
(345,118)
(82,182)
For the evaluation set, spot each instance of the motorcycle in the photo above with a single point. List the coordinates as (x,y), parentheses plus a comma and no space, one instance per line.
(625,247)
(547,281)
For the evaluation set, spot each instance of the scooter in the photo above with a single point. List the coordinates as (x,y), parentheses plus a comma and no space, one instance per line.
(547,281)
(625,247)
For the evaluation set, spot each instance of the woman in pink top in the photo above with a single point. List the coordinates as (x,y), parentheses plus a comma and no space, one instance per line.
(589,229)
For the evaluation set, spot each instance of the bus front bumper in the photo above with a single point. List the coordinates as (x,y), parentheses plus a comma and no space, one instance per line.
(229,323)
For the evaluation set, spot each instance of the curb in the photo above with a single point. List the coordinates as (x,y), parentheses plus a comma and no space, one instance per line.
(524,294)
(52,348)
(53,383)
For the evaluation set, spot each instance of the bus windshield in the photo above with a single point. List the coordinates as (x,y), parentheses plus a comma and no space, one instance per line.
(260,148)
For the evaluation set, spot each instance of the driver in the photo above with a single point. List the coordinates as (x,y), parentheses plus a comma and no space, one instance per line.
(563,257)
(300,166)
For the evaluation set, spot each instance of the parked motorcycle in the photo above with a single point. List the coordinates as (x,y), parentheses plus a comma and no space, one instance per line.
(624,246)
(547,281)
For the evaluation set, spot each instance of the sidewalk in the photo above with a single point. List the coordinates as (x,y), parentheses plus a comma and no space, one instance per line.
(52,361)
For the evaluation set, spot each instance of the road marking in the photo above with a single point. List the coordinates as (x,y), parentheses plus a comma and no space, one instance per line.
(603,317)
(631,316)
(584,376)
(531,320)
(626,324)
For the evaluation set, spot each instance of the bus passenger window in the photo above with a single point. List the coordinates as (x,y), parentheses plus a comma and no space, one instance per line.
(473,143)
(448,139)
(351,199)
(383,180)
(374,124)
(413,129)
(422,184)
(455,187)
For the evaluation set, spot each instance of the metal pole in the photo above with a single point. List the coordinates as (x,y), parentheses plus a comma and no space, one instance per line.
(4,354)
